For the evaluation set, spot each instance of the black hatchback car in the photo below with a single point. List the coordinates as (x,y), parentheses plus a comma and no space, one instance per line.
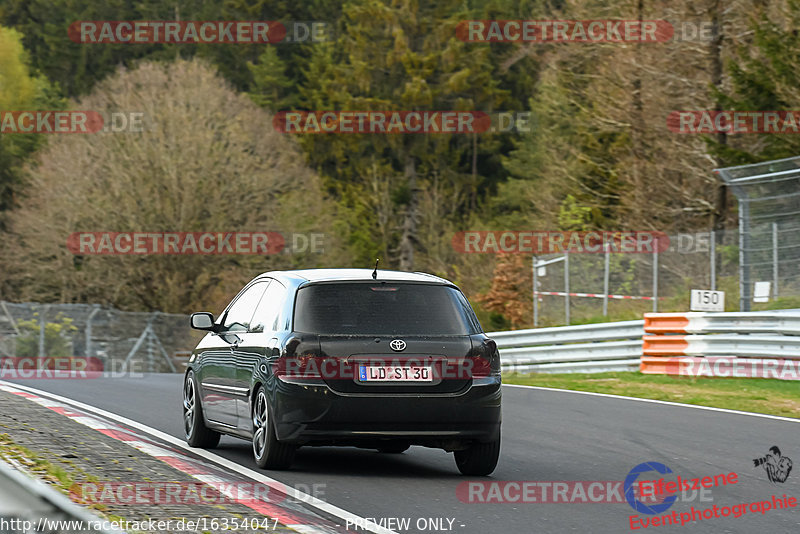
(375,359)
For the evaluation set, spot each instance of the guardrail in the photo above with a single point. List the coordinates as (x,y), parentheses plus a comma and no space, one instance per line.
(749,344)
(787,323)
(26,502)
(592,348)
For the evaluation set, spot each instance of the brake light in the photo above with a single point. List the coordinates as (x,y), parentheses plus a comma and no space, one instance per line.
(485,359)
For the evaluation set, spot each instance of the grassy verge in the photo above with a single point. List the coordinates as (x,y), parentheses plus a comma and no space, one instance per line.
(768,396)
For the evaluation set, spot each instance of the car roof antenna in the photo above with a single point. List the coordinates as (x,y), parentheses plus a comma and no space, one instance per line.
(375,272)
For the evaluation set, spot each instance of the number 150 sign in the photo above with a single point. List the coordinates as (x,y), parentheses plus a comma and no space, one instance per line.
(705,300)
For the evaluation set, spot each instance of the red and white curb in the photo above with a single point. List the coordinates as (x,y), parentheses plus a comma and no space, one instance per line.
(295,519)
(593,295)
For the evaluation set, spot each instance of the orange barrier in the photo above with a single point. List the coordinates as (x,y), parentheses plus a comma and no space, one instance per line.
(664,345)
(719,345)
(665,323)
(655,365)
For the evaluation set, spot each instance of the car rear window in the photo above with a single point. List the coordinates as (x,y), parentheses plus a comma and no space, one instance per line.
(383,309)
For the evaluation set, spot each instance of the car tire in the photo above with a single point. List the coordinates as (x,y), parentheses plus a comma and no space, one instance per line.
(479,459)
(196,433)
(394,448)
(269,453)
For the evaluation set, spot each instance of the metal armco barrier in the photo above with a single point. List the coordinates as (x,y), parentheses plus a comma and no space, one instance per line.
(592,348)
(750,344)
(787,323)
(27,500)
(743,346)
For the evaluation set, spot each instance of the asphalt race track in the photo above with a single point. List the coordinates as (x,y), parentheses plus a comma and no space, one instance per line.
(547,436)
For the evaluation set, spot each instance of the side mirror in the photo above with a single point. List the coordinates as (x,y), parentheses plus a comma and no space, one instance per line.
(203,321)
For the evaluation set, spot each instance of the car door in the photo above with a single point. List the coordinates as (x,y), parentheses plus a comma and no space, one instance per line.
(258,344)
(217,379)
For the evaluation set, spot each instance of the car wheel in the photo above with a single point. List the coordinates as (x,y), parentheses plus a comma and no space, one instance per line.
(196,432)
(479,459)
(394,448)
(268,451)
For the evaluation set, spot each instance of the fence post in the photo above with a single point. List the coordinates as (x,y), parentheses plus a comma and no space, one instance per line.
(89,319)
(566,287)
(775,260)
(151,360)
(655,277)
(744,244)
(535,296)
(713,260)
(605,281)
(42,313)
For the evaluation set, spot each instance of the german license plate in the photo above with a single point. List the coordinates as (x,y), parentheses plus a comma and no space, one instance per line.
(395,373)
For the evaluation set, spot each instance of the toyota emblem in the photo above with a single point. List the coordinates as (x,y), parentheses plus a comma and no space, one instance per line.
(397,344)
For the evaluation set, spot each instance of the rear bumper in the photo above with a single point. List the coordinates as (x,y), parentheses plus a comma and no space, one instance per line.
(317,415)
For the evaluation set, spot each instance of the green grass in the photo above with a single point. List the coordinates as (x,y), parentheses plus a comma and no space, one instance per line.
(768,396)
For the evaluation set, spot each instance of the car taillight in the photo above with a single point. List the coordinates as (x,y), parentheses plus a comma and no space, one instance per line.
(481,367)
(485,359)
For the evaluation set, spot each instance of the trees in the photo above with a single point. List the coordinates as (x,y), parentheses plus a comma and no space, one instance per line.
(599,154)
(401,57)
(73,66)
(208,160)
(601,136)
(764,74)
(21,90)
